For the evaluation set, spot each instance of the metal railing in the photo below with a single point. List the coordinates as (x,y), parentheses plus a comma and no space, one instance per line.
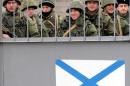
(55,28)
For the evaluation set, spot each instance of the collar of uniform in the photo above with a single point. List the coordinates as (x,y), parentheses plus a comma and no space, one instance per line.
(49,16)
(125,15)
(11,13)
(32,20)
(79,22)
(88,13)
(93,17)
(113,15)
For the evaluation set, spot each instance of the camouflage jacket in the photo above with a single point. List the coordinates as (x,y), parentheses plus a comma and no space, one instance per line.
(31,26)
(13,23)
(82,27)
(122,21)
(105,27)
(48,25)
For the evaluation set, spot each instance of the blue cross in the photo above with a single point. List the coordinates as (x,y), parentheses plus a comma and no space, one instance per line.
(93,81)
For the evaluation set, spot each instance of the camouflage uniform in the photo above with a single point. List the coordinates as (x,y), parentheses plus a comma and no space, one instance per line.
(12,22)
(48,23)
(122,22)
(78,30)
(106,23)
(31,23)
(6,31)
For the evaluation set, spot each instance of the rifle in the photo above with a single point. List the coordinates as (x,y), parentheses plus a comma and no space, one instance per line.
(69,30)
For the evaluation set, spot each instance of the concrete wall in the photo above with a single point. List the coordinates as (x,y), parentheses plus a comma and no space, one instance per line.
(1,65)
(33,64)
(61,7)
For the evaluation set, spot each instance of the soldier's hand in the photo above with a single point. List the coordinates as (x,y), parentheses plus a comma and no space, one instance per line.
(5,36)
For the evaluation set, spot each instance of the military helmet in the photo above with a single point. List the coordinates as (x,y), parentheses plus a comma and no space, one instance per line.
(29,4)
(76,5)
(91,0)
(123,2)
(50,3)
(5,2)
(107,2)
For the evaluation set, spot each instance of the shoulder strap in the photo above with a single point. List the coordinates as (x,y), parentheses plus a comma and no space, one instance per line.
(119,23)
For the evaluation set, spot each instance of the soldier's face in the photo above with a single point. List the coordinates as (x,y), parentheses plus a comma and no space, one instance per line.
(75,14)
(46,8)
(110,8)
(11,6)
(123,8)
(92,5)
(29,12)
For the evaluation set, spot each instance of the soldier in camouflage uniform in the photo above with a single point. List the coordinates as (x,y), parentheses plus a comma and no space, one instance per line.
(29,18)
(48,20)
(76,21)
(11,19)
(13,24)
(108,7)
(122,25)
(95,15)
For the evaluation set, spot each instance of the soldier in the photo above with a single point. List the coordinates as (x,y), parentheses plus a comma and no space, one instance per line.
(77,22)
(29,18)
(11,18)
(48,20)
(92,11)
(108,7)
(105,26)
(122,25)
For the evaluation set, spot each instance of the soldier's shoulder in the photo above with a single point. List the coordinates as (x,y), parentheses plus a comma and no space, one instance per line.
(23,19)
(5,17)
(66,19)
(38,15)
(4,14)
(105,16)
